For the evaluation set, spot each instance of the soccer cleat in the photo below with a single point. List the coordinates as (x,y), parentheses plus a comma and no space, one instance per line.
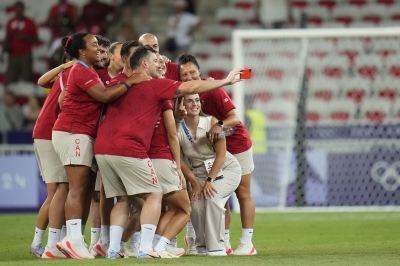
(101,248)
(151,255)
(112,254)
(190,242)
(53,253)
(174,250)
(165,255)
(133,251)
(78,249)
(245,249)
(37,250)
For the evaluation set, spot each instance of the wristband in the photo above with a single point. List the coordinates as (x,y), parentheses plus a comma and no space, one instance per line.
(125,84)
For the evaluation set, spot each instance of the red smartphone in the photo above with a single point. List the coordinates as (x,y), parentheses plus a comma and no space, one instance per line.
(246,73)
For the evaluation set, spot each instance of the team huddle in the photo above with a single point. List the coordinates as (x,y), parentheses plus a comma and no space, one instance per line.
(138,142)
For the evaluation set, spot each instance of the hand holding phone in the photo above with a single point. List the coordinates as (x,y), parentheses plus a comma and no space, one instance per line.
(246,73)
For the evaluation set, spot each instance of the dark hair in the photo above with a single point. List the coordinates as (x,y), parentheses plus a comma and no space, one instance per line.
(126,46)
(113,46)
(65,56)
(74,43)
(187,58)
(139,54)
(20,3)
(102,41)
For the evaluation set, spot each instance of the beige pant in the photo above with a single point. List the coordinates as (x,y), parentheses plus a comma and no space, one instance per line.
(208,215)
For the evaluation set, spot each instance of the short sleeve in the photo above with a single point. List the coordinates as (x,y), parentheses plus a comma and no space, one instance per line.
(166,106)
(87,78)
(164,89)
(222,101)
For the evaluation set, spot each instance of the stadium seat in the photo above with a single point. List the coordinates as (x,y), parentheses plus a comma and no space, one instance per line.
(217,67)
(22,88)
(40,51)
(316,14)
(289,89)
(394,12)
(341,111)
(385,2)
(351,48)
(231,16)
(332,25)
(346,14)
(276,67)
(386,88)
(313,67)
(218,34)
(374,13)
(320,47)
(375,111)
(299,3)
(362,24)
(316,111)
(202,50)
(356,89)
(244,4)
(358,3)
(324,89)
(19,137)
(335,66)
(368,66)
(393,66)
(40,66)
(224,49)
(396,112)
(258,48)
(281,112)
(385,47)
(329,4)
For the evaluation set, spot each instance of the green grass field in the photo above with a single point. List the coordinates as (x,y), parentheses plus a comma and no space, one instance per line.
(280,239)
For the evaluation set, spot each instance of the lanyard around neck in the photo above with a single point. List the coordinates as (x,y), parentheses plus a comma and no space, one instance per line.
(190,138)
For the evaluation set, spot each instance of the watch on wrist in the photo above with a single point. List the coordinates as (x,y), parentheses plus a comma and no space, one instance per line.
(220,123)
(209,179)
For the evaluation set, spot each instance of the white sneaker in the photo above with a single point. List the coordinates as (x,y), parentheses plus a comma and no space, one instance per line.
(174,250)
(78,249)
(62,247)
(112,254)
(190,242)
(101,248)
(93,252)
(165,255)
(53,253)
(37,250)
(228,249)
(245,249)
(131,252)
(217,253)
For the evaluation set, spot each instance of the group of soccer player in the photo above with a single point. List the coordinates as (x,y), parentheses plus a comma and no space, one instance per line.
(109,142)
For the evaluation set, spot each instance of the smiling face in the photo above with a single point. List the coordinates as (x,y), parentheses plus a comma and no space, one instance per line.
(91,52)
(104,60)
(189,71)
(153,66)
(192,104)
(163,68)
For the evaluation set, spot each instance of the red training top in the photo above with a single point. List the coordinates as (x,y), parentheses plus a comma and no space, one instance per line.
(104,76)
(26,26)
(172,71)
(131,119)
(81,112)
(50,110)
(159,147)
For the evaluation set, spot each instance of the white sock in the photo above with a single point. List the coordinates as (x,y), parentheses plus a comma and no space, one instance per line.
(105,234)
(162,244)
(94,235)
(122,244)
(247,234)
(68,229)
(115,237)
(54,237)
(147,235)
(156,239)
(174,241)
(63,232)
(37,238)
(83,229)
(75,226)
(190,230)
(135,239)
(227,237)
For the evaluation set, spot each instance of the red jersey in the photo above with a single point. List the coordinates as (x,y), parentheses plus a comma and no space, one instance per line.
(50,110)
(217,103)
(81,112)
(104,76)
(172,71)
(91,14)
(120,77)
(25,26)
(131,119)
(159,147)
(62,9)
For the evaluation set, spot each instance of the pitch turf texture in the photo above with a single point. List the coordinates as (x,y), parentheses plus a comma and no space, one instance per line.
(280,239)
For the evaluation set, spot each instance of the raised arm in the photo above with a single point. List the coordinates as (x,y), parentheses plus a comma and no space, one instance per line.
(48,78)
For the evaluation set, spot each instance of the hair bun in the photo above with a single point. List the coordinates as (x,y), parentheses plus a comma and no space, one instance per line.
(66,41)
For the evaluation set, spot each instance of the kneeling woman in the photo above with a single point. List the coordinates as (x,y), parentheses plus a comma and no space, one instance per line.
(216,174)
